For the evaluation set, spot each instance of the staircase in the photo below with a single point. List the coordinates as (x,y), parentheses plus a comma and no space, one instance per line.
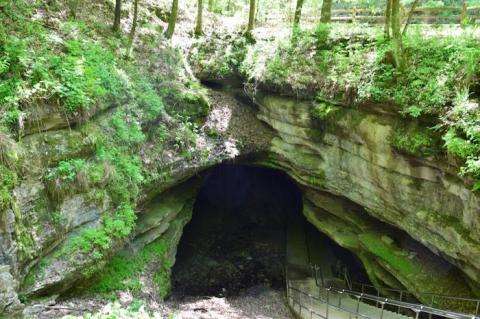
(309,300)
(315,293)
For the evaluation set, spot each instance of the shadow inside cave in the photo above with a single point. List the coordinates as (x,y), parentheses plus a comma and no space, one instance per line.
(241,230)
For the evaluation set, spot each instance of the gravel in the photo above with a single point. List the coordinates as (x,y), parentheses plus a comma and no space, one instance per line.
(260,302)
(257,302)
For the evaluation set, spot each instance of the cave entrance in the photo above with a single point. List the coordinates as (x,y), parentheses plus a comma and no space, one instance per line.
(241,231)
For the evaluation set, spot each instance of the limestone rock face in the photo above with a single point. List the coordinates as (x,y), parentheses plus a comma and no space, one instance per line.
(44,218)
(358,189)
(350,155)
(8,297)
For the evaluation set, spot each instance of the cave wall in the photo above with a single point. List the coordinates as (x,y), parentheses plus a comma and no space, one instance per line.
(59,230)
(350,155)
(351,175)
(352,178)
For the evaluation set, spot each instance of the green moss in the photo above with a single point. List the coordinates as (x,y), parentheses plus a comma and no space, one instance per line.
(124,270)
(115,226)
(415,141)
(448,221)
(7,182)
(322,111)
(25,243)
(385,251)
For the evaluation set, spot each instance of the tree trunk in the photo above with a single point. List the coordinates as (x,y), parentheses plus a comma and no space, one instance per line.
(298,14)
(173,20)
(397,35)
(326,11)
(257,13)
(199,26)
(118,13)
(388,18)
(131,36)
(251,17)
(410,17)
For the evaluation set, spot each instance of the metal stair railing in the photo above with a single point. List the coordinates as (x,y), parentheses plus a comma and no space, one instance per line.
(434,297)
(328,304)
(418,309)
(319,299)
(378,300)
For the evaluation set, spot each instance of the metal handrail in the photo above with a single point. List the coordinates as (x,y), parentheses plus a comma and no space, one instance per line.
(448,297)
(402,292)
(327,302)
(417,308)
(405,305)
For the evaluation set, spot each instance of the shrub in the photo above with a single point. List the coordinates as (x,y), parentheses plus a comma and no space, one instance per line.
(117,225)
(66,170)
(322,111)
(459,146)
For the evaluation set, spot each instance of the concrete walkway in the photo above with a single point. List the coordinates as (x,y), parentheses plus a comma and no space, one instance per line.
(308,301)
(305,298)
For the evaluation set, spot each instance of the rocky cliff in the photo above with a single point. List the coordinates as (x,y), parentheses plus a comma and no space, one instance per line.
(360,190)
(79,189)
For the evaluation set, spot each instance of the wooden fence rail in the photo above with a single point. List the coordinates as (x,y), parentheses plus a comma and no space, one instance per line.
(429,15)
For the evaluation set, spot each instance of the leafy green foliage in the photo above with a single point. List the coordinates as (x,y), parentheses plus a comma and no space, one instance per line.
(186,136)
(124,270)
(221,57)
(459,146)
(416,142)
(117,225)
(66,170)
(429,82)
(439,85)
(148,98)
(36,64)
(130,133)
(322,111)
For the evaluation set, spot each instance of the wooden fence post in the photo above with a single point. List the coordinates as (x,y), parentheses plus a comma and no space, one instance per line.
(463,16)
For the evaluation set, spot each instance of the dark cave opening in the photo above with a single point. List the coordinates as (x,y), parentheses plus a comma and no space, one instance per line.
(237,238)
